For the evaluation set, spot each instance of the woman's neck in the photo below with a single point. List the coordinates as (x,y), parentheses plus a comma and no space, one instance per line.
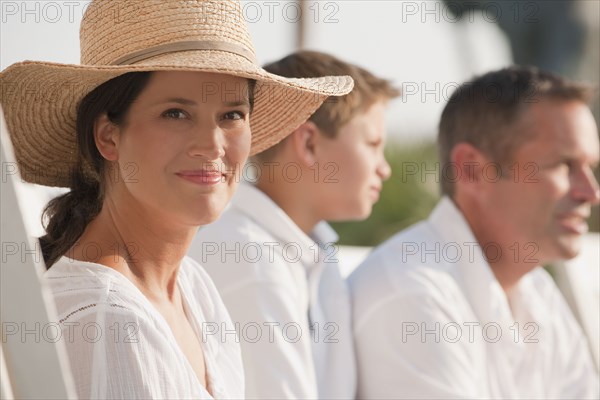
(145,248)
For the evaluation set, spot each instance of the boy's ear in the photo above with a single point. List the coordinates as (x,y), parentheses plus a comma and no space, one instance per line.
(106,136)
(304,141)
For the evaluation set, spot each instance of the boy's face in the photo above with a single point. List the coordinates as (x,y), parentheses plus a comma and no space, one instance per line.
(353,167)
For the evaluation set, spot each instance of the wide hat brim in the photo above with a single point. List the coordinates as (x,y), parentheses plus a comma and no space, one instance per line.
(40,102)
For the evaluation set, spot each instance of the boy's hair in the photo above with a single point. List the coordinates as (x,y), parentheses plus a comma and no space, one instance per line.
(336,111)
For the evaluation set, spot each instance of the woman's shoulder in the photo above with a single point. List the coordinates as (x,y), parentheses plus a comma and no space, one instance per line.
(68,275)
(82,288)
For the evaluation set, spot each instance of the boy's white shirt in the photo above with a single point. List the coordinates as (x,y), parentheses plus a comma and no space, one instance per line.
(272,277)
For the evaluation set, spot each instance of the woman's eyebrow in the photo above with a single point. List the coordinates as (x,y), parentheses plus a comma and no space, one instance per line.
(180,100)
(244,102)
(188,102)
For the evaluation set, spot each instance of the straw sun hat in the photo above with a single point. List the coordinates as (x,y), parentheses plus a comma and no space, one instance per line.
(118,36)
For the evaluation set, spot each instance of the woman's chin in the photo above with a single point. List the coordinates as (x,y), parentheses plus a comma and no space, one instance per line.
(208,216)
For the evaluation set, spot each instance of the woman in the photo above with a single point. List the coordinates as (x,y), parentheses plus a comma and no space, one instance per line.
(149,133)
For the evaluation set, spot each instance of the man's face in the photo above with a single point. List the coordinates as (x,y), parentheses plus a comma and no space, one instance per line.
(542,207)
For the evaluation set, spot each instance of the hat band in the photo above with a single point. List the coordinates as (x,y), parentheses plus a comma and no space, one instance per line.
(141,55)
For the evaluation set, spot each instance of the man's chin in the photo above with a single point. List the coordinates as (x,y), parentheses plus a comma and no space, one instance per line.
(567,247)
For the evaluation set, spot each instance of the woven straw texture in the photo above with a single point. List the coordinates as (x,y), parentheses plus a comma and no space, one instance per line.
(40,99)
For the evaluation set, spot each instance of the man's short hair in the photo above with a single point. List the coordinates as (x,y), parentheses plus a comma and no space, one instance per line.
(335,111)
(484,112)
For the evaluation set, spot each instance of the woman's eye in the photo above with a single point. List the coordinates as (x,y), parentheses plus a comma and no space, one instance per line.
(234,115)
(174,114)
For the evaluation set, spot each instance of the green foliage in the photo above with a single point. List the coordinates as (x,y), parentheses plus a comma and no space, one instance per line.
(407,197)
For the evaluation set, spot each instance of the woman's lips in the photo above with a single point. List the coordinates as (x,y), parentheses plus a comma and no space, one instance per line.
(202,177)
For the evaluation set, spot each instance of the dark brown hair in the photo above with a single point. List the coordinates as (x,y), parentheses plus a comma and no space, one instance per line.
(335,111)
(484,112)
(69,214)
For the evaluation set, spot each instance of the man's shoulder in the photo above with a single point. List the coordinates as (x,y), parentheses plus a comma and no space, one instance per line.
(394,270)
(396,256)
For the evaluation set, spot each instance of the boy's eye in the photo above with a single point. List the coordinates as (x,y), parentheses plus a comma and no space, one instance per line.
(174,113)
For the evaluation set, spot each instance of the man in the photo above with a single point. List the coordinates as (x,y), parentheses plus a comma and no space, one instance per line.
(271,255)
(458,306)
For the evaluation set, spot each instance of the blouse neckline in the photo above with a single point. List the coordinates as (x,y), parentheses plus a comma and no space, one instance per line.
(194,315)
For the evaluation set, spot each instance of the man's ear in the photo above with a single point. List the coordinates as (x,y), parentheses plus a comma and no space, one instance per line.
(106,136)
(304,141)
(467,167)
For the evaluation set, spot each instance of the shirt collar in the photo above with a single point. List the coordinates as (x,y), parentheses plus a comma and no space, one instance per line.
(263,210)
(486,296)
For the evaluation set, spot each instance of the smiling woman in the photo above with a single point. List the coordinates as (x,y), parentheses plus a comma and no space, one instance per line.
(185,143)
(150,139)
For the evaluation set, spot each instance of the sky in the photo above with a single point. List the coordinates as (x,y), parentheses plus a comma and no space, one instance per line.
(418,45)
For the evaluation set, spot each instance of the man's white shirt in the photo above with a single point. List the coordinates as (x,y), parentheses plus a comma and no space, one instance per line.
(285,292)
(431,321)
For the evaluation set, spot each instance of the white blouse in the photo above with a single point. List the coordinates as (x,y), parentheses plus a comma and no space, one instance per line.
(121,347)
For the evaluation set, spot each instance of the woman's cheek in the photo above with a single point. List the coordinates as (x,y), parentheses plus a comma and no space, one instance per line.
(240,147)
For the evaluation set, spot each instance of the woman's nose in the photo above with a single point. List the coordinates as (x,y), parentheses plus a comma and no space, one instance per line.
(208,142)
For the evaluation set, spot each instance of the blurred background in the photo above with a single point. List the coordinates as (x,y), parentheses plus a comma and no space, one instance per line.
(427,48)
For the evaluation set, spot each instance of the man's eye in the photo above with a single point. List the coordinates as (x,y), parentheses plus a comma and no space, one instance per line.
(174,114)
(234,115)
(568,163)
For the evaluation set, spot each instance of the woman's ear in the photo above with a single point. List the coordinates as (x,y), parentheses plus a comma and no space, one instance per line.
(106,136)
(304,141)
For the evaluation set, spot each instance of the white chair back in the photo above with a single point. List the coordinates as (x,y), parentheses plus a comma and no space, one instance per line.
(33,361)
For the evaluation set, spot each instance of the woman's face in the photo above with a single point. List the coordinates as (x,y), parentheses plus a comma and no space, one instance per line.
(180,150)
